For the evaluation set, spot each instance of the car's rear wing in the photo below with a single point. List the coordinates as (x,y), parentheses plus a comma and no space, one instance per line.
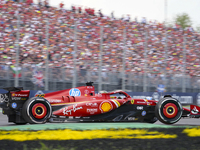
(13,88)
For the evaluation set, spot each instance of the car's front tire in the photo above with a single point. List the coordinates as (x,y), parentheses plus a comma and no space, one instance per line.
(168,110)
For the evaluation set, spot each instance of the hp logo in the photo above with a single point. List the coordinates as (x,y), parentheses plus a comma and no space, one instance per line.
(75,92)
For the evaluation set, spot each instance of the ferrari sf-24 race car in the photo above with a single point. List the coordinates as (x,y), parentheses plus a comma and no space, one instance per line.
(82,104)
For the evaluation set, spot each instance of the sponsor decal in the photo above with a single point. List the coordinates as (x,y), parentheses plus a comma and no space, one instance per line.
(92,110)
(86,117)
(86,92)
(139,102)
(16,98)
(24,95)
(56,120)
(40,95)
(99,95)
(19,95)
(39,99)
(144,113)
(54,100)
(89,87)
(132,101)
(139,107)
(105,106)
(195,110)
(14,105)
(74,109)
(92,104)
(131,118)
(75,92)
(62,117)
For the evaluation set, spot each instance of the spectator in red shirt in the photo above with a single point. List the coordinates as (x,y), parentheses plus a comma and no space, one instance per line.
(29,2)
(61,5)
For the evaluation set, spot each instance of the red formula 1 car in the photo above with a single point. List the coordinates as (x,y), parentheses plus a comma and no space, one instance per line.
(82,104)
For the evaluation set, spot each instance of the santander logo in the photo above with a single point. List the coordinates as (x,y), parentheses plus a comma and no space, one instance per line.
(195,110)
(75,92)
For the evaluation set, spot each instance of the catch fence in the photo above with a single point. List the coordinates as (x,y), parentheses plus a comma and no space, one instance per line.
(113,54)
(61,78)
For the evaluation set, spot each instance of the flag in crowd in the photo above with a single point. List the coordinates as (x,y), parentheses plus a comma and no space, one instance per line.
(16,71)
(38,77)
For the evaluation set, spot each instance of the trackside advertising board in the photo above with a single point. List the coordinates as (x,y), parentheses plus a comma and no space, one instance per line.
(184,98)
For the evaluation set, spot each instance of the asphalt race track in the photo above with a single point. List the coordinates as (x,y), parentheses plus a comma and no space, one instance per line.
(182,122)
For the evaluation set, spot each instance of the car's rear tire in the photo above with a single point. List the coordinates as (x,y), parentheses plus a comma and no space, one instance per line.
(168,110)
(36,110)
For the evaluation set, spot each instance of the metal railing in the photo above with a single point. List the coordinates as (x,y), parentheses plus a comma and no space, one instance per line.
(61,77)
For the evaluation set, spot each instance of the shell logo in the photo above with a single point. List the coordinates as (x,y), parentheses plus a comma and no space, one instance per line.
(106,106)
(132,101)
(13,94)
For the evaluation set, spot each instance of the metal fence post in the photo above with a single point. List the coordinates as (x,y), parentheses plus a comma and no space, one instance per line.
(145,64)
(74,56)
(165,60)
(17,51)
(47,55)
(124,59)
(100,59)
(184,65)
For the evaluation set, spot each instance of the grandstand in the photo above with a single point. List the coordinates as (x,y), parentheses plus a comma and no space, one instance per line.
(141,38)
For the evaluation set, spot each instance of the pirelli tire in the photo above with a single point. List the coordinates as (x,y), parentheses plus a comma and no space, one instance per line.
(36,110)
(168,110)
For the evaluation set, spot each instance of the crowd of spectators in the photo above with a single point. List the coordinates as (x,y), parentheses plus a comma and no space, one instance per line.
(142,37)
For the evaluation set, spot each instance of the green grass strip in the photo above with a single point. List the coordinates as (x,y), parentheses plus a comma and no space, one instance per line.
(87,126)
